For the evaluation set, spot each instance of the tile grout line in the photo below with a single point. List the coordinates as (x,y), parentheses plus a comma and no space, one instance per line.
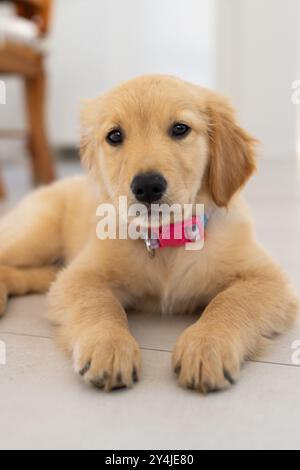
(275,364)
(252,361)
(144,348)
(26,335)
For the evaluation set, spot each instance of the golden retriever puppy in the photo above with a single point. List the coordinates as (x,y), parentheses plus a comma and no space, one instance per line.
(153,139)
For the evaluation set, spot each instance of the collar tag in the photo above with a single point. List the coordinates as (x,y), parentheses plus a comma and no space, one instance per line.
(176,235)
(152,246)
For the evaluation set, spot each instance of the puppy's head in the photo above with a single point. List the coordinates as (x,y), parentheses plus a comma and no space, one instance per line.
(157,139)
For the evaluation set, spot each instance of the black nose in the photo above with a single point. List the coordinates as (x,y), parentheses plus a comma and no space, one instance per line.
(149,187)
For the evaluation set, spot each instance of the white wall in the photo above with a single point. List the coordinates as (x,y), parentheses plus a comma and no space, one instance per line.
(248,49)
(97,43)
(257,60)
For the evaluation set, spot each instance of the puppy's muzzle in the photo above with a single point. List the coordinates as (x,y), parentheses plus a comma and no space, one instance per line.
(149,187)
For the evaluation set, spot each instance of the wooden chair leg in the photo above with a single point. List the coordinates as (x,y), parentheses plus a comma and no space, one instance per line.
(42,158)
(2,188)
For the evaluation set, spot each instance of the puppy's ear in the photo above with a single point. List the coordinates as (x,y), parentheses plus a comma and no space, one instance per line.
(232,158)
(88,140)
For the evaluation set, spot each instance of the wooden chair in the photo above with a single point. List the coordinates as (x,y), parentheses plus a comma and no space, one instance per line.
(28,62)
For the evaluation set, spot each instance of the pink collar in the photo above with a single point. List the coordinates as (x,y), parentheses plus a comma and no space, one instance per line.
(176,235)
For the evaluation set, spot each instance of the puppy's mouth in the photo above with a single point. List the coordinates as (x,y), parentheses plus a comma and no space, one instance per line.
(154,208)
(158,215)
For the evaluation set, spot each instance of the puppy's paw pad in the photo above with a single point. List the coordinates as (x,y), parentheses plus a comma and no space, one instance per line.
(204,363)
(108,361)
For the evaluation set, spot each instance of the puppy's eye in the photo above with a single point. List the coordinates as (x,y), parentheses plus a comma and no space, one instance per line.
(179,131)
(115,137)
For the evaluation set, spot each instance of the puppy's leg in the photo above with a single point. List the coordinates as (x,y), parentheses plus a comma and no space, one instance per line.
(17,281)
(93,328)
(233,328)
(30,235)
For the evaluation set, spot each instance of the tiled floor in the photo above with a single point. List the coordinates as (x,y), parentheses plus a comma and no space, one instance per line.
(44,405)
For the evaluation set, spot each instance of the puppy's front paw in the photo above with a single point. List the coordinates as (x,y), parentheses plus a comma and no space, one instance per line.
(109,360)
(205,362)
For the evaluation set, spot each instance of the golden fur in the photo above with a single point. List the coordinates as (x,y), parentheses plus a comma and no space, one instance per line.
(246,296)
